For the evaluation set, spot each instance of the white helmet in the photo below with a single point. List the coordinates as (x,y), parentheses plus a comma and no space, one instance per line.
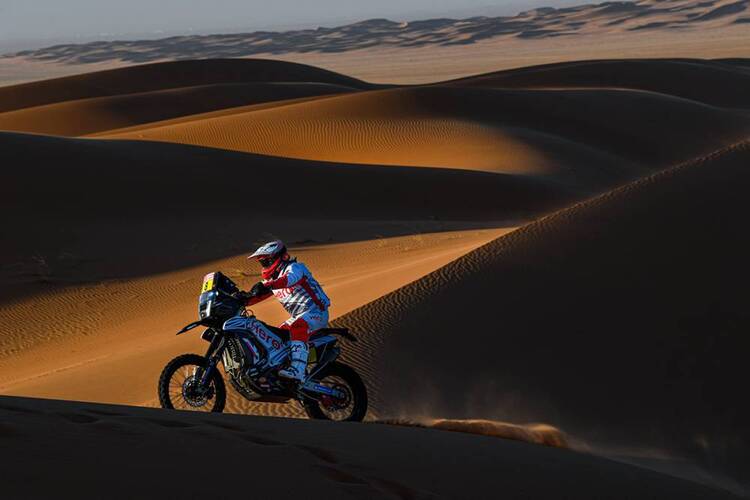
(269,256)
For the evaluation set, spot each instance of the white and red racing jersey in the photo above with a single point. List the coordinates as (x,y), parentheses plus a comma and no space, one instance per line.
(297,290)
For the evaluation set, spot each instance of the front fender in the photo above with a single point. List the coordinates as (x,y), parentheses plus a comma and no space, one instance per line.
(189,327)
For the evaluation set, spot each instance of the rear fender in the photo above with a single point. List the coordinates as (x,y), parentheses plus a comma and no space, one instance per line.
(326,355)
(319,346)
(321,341)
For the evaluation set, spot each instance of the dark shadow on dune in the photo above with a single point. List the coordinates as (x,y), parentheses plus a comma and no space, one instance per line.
(110,204)
(534,24)
(331,461)
(172,75)
(622,320)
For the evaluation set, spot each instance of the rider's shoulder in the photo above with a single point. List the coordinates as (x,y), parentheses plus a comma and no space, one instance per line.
(294,264)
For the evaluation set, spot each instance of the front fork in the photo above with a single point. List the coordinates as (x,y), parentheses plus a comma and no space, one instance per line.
(213,355)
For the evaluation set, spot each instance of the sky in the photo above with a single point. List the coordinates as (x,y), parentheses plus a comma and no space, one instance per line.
(31,22)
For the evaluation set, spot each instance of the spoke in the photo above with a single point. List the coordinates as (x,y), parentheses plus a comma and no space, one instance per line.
(177,386)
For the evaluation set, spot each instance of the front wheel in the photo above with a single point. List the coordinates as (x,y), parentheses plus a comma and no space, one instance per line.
(351,408)
(180,387)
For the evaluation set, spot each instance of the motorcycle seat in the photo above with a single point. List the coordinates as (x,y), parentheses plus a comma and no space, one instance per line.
(342,332)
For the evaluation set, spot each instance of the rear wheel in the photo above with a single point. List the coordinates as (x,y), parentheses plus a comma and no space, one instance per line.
(180,388)
(350,408)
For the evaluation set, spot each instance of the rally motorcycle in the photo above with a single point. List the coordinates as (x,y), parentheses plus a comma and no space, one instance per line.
(252,358)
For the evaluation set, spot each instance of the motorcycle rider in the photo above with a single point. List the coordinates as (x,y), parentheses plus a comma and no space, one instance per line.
(292,283)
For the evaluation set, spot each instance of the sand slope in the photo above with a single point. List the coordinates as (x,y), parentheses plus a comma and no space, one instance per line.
(118,209)
(622,320)
(87,116)
(166,75)
(91,336)
(86,447)
(535,132)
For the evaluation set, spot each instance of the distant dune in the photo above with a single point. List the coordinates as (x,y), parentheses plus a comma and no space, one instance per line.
(639,115)
(582,136)
(608,18)
(621,319)
(717,83)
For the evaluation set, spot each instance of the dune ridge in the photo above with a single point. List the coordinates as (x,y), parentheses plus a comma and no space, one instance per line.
(536,132)
(97,114)
(163,76)
(556,285)
(715,82)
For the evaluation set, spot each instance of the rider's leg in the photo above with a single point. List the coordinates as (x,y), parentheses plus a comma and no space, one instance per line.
(299,333)
(300,329)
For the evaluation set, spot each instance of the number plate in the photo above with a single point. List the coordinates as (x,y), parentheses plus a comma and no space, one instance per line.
(208,283)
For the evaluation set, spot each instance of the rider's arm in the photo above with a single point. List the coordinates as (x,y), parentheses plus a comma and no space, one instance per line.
(258,298)
(295,272)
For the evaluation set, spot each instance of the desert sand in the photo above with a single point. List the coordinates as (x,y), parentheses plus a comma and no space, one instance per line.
(86,354)
(146,452)
(621,319)
(552,254)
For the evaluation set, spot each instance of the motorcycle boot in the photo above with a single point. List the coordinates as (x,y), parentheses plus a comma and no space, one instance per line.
(298,361)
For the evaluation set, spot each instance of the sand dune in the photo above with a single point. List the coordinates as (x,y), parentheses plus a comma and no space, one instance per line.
(87,447)
(639,116)
(621,319)
(87,116)
(530,132)
(96,334)
(162,76)
(107,204)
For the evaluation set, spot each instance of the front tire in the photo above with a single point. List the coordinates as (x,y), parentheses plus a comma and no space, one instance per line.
(352,409)
(178,386)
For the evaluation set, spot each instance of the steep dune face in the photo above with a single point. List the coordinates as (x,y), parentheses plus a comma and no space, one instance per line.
(592,137)
(622,319)
(165,75)
(98,114)
(719,83)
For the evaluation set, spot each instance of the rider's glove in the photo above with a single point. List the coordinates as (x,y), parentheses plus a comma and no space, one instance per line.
(259,290)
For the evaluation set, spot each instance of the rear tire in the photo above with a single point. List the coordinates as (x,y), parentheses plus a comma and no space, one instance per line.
(175,390)
(357,391)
